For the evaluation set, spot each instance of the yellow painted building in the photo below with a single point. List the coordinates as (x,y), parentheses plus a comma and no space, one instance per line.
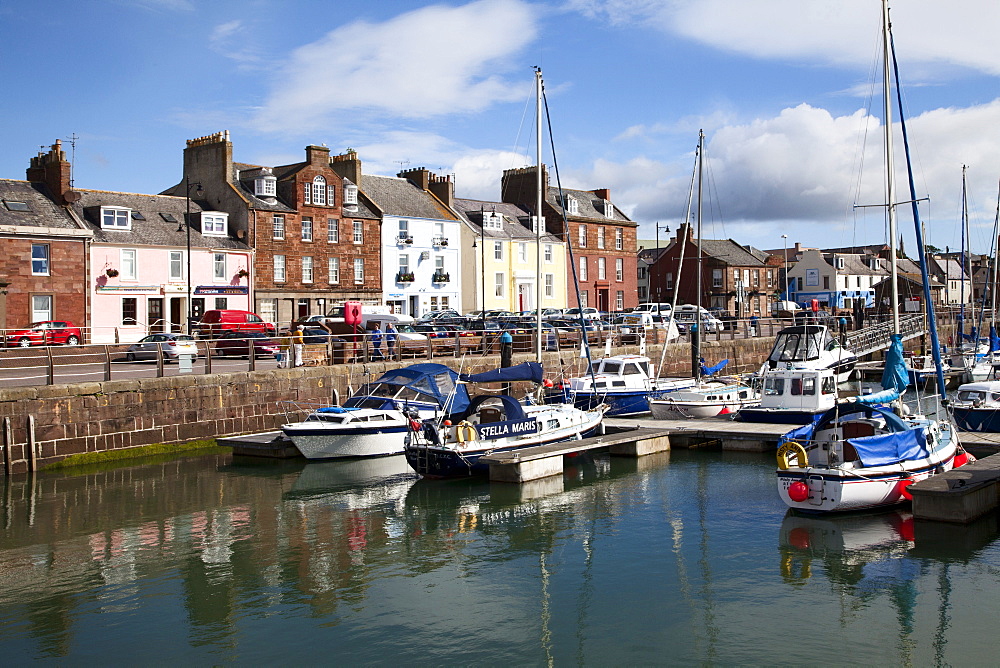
(500,259)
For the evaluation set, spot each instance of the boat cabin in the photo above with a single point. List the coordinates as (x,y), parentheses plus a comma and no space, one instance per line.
(799,389)
(801,343)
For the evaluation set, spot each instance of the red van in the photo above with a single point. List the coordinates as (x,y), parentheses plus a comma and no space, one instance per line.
(213,323)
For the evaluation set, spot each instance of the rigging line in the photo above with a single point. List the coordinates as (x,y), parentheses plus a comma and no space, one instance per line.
(862,142)
(584,337)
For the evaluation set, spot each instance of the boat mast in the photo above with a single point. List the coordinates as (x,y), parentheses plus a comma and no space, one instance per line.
(538,215)
(962,264)
(701,172)
(890,182)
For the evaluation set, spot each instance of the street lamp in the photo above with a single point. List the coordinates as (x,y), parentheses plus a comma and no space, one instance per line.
(187,221)
(665,228)
(784,241)
(482,264)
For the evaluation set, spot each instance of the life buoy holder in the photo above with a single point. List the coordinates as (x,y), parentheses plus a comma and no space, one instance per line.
(465,432)
(789,450)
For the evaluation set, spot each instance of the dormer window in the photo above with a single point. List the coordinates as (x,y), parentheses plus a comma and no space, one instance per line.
(572,206)
(609,209)
(492,220)
(265,185)
(116,218)
(213,223)
(840,263)
(319,191)
(350,194)
(12,205)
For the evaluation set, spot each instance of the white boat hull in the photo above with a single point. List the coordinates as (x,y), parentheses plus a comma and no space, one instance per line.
(318,442)
(704,402)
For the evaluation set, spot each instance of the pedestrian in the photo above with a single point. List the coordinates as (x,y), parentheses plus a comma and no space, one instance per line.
(754,320)
(843,328)
(298,344)
(284,350)
(390,339)
(377,342)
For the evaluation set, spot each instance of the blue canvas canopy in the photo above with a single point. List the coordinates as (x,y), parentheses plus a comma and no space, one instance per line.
(710,370)
(895,378)
(435,380)
(527,371)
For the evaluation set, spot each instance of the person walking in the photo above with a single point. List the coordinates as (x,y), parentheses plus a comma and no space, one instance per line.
(298,345)
(377,342)
(284,351)
(390,340)
(754,320)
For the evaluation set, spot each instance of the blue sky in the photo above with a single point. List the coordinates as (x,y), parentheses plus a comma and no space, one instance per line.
(785,90)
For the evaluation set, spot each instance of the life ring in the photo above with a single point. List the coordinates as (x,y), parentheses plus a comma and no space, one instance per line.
(792,449)
(465,432)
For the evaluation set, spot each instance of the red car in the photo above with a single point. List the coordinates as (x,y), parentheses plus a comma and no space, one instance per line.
(46,333)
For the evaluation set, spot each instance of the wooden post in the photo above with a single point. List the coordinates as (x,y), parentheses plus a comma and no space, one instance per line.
(159,361)
(51,379)
(208,357)
(107,362)
(8,444)
(32,449)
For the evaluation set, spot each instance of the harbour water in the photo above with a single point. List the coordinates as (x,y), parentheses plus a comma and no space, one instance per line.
(682,558)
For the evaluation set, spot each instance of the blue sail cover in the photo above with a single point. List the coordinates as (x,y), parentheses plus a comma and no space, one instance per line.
(710,370)
(895,377)
(435,380)
(994,340)
(527,371)
(887,449)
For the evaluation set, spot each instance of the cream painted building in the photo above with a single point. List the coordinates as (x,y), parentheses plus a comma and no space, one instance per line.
(499,259)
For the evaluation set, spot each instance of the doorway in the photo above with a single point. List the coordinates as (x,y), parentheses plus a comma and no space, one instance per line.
(177,314)
(154,314)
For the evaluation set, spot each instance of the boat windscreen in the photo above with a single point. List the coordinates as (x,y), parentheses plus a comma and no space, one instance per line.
(612,368)
(795,346)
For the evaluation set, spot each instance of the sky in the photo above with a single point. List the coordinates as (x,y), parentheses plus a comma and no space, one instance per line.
(787,92)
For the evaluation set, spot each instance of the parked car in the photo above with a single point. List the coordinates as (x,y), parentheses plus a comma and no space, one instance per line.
(434,331)
(688,314)
(446,314)
(589,313)
(213,323)
(238,344)
(729,321)
(172,345)
(45,333)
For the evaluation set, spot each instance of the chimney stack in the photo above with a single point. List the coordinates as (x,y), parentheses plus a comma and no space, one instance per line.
(348,166)
(54,171)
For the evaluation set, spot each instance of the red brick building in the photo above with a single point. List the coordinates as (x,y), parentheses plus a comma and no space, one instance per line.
(601,240)
(315,236)
(43,248)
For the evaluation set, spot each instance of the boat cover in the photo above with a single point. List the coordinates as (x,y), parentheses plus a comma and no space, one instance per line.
(527,371)
(994,339)
(894,376)
(711,370)
(435,380)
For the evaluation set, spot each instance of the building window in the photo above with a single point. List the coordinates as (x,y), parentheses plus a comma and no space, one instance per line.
(572,206)
(716,278)
(319,191)
(492,220)
(214,223)
(601,269)
(404,263)
(219,266)
(499,282)
(359,232)
(404,230)
(265,186)
(130,311)
(307,228)
(221,303)
(278,227)
(642,293)
(619,269)
(115,218)
(39,259)
(826,282)
(439,264)
(670,280)
(359,270)
(307,269)
(609,209)
(770,278)
(583,268)
(41,308)
(582,236)
(497,250)
(522,252)
(600,237)
(307,190)
(619,239)
(128,264)
(584,299)
(550,282)
(268,309)
(279,268)
(332,231)
(176,265)
(620,300)
(333,270)
(350,194)
(548,253)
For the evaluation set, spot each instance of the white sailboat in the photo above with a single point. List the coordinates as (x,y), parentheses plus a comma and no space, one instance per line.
(858,455)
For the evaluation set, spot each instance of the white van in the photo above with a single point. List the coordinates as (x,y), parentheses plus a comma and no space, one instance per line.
(688,314)
(653,307)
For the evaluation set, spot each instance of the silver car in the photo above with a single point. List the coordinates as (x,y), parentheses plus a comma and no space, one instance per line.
(172,345)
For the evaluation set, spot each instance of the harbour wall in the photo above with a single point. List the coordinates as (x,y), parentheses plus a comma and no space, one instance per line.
(103,416)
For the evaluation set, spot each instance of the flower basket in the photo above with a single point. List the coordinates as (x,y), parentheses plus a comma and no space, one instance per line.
(404,278)
(243,273)
(111,272)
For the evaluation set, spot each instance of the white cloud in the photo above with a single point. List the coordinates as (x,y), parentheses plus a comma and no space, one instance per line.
(845,32)
(431,61)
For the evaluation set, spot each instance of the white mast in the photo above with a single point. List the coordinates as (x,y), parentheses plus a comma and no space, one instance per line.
(890,181)
(538,215)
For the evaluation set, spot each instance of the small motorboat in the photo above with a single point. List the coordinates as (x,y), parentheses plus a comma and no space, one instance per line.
(976,406)
(708,398)
(373,422)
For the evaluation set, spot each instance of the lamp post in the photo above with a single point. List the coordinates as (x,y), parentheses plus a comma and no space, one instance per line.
(187,222)
(482,266)
(665,228)
(784,240)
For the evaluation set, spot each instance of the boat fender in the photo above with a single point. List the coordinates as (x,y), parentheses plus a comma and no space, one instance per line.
(904,488)
(465,433)
(792,449)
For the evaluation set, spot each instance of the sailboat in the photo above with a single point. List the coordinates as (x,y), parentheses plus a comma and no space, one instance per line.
(706,397)
(861,454)
(499,422)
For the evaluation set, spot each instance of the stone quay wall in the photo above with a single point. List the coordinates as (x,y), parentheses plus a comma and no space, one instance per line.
(102,416)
